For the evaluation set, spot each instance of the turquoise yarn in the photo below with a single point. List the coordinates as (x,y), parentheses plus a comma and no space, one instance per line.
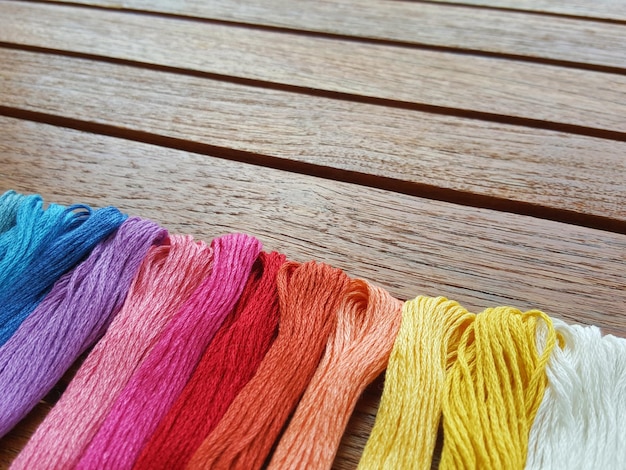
(31,230)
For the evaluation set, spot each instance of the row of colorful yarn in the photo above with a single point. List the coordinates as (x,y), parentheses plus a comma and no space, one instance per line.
(224,356)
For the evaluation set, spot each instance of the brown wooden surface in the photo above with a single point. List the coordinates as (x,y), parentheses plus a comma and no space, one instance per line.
(484,177)
(427,24)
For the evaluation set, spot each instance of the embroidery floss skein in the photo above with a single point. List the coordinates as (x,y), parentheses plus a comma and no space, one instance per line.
(493,390)
(357,352)
(161,377)
(580,422)
(309,295)
(405,431)
(82,231)
(168,276)
(70,319)
(226,366)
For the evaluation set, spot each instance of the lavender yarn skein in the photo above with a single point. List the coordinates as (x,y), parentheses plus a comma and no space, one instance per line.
(70,319)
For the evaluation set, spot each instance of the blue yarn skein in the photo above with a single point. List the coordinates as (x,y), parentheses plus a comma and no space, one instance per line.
(51,242)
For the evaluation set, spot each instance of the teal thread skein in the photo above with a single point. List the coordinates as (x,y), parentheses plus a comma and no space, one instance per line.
(41,246)
(31,229)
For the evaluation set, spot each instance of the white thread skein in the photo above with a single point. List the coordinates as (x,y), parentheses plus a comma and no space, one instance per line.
(581,422)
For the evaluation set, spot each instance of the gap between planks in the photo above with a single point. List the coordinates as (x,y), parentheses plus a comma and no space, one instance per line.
(608,134)
(613,11)
(336,174)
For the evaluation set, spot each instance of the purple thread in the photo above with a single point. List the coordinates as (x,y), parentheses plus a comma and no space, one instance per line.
(70,319)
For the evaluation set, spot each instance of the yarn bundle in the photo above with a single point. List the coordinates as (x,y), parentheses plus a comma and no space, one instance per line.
(221,355)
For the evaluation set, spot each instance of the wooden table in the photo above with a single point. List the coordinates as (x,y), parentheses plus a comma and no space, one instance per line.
(474,151)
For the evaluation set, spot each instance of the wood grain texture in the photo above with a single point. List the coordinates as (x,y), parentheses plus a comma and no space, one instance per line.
(458,27)
(408,245)
(582,174)
(495,87)
(601,9)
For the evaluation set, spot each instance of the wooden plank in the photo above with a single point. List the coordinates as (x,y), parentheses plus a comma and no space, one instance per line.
(600,9)
(417,152)
(408,245)
(494,88)
(459,27)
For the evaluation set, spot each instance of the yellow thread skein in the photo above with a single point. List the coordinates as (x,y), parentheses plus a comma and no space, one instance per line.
(493,390)
(405,431)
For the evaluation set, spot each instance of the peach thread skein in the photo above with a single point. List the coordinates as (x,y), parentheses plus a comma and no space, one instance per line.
(356,353)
